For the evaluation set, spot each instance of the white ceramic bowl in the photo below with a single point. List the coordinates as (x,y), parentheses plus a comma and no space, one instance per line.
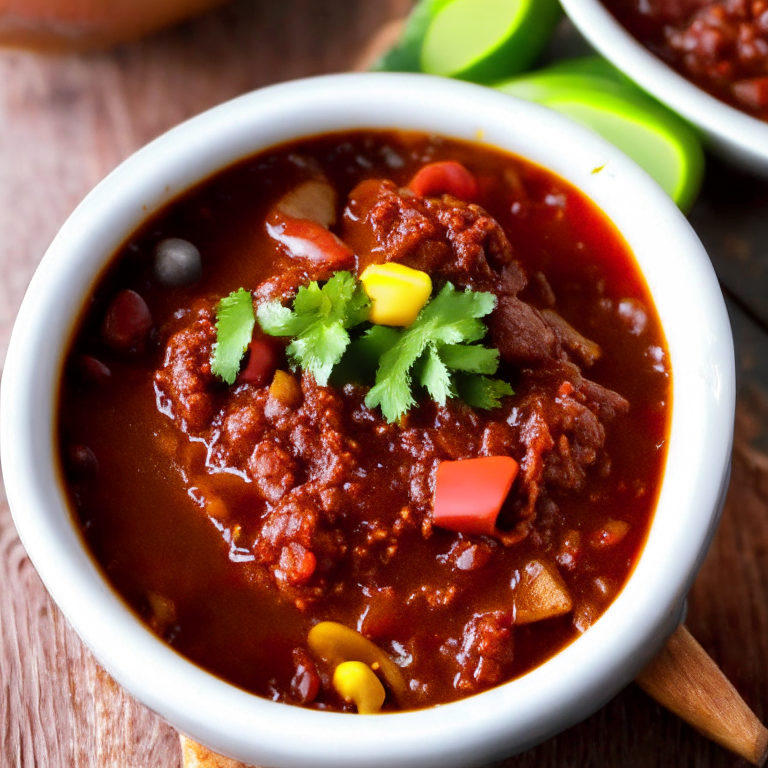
(479,729)
(734,135)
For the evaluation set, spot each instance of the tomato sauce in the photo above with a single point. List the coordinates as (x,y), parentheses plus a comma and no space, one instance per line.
(232,519)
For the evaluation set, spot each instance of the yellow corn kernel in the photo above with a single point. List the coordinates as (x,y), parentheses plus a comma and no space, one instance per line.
(397,293)
(334,644)
(356,682)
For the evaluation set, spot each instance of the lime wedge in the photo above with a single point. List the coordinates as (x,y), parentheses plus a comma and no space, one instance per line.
(406,55)
(653,136)
(592,66)
(484,40)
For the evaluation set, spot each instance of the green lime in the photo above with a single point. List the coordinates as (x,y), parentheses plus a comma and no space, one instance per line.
(653,136)
(406,55)
(484,40)
(592,66)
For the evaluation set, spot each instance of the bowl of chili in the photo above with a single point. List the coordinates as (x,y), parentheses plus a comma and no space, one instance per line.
(707,60)
(427,132)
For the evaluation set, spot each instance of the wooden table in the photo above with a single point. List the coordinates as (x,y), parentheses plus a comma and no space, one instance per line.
(65,122)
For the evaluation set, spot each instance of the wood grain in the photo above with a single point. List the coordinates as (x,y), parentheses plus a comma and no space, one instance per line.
(67,121)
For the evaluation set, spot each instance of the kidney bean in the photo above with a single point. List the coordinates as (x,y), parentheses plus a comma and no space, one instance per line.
(262,363)
(80,461)
(93,371)
(127,321)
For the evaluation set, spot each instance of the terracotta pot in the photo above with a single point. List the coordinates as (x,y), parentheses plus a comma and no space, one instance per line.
(65,25)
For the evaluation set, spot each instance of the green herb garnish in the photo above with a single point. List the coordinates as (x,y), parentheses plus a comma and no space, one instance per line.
(318,322)
(234,330)
(436,352)
(434,346)
(482,392)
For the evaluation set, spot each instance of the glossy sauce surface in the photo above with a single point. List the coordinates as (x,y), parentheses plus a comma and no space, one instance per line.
(143,495)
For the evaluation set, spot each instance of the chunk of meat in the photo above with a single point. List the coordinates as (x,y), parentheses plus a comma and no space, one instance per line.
(186,376)
(273,470)
(446,237)
(520,333)
(582,349)
(295,541)
(486,652)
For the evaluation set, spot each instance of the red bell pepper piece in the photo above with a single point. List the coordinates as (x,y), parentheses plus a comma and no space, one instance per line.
(446,176)
(469,493)
(305,239)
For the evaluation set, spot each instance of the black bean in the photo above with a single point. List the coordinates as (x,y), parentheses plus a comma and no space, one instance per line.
(177,262)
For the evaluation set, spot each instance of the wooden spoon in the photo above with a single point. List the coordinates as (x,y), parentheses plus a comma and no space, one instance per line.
(682,678)
(685,680)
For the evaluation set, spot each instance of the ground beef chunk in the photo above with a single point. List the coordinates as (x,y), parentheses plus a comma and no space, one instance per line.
(294,540)
(186,376)
(446,237)
(486,652)
(274,470)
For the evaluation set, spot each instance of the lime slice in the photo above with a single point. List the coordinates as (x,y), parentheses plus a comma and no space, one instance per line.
(655,138)
(484,40)
(591,66)
(406,55)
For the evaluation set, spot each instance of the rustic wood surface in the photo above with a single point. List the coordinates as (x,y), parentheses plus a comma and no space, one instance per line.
(66,121)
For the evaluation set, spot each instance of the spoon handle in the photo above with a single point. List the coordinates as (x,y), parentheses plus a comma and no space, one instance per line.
(685,680)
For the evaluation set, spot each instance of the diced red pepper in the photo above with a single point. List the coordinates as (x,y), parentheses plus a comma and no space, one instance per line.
(305,239)
(127,321)
(444,177)
(469,493)
(262,363)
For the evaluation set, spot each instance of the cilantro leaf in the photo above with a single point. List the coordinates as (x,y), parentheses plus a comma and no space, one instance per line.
(435,377)
(234,330)
(362,356)
(474,359)
(450,318)
(482,392)
(319,321)
(319,348)
(280,320)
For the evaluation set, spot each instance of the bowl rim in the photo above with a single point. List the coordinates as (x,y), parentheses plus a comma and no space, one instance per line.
(513,716)
(728,128)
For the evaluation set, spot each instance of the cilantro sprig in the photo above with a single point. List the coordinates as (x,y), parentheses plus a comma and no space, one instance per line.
(318,322)
(437,352)
(433,349)
(234,328)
